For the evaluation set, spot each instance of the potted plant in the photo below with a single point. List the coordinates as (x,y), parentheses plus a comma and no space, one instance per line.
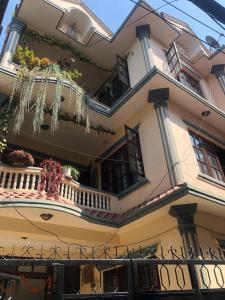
(20,158)
(71,172)
(51,177)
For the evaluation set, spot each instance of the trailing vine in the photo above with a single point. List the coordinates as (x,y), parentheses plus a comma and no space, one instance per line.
(33,36)
(75,120)
(3,129)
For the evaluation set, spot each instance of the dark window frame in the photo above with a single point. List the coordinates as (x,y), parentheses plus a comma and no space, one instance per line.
(179,72)
(207,157)
(221,79)
(116,84)
(125,166)
(190,82)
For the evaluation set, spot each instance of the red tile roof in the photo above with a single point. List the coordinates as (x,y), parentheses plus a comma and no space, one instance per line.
(118,217)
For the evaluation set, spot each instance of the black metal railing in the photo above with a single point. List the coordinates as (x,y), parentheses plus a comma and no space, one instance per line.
(163,275)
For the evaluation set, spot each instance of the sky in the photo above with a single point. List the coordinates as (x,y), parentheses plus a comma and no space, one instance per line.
(113,13)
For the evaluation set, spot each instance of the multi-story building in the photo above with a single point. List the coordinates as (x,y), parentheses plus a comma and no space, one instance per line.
(152,166)
(3,6)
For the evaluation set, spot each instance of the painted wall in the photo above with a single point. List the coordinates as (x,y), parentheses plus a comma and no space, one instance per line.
(216,91)
(136,64)
(188,162)
(71,4)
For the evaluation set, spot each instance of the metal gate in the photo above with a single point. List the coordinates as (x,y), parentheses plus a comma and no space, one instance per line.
(171,276)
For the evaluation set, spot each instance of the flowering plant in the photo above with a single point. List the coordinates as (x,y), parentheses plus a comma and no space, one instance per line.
(51,177)
(20,158)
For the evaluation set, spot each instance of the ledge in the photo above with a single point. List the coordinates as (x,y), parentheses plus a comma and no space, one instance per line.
(211,180)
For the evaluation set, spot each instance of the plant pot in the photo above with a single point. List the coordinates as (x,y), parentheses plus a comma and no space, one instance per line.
(19,164)
(67,171)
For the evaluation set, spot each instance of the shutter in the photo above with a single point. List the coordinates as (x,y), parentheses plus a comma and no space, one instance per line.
(123,71)
(173,60)
(134,153)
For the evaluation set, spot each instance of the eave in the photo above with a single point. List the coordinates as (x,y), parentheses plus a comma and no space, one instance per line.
(101,49)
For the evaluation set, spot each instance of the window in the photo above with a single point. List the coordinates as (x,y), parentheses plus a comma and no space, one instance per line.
(173,60)
(211,159)
(125,166)
(219,71)
(190,82)
(178,72)
(117,84)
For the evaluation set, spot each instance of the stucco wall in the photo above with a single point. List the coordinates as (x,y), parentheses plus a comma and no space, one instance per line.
(153,157)
(188,162)
(71,4)
(136,64)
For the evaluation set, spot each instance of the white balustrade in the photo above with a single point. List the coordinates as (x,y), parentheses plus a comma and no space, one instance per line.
(28,179)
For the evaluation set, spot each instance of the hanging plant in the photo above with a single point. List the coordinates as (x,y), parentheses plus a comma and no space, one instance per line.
(51,177)
(23,90)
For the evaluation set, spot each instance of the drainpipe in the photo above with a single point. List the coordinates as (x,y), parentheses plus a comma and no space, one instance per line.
(16,29)
(143,33)
(159,98)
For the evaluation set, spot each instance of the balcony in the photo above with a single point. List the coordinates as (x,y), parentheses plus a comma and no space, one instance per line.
(24,182)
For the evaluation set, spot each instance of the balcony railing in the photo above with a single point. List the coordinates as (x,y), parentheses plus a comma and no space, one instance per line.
(27,180)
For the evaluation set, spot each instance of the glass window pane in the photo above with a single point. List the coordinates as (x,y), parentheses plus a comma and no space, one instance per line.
(201,155)
(203,168)
(213,161)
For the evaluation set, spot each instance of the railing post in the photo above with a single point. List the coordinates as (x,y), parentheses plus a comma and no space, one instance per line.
(131,267)
(194,281)
(60,282)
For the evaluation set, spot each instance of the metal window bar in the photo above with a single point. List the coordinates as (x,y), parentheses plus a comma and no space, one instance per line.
(173,60)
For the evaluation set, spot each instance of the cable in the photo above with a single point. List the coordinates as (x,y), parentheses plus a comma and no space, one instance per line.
(218,23)
(210,230)
(174,25)
(190,16)
(135,21)
(47,231)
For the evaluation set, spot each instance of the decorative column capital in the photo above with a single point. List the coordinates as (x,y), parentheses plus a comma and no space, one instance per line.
(185,216)
(143,31)
(159,97)
(218,70)
(17,25)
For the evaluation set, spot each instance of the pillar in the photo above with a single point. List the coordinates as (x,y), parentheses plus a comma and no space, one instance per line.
(143,33)
(185,214)
(16,29)
(160,98)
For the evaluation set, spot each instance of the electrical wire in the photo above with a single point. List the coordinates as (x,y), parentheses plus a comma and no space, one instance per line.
(193,18)
(178,27)
(210,230)
(128,25)
(149,196)
(218,23)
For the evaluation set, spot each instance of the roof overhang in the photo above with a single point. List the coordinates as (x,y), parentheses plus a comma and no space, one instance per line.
(99,48)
